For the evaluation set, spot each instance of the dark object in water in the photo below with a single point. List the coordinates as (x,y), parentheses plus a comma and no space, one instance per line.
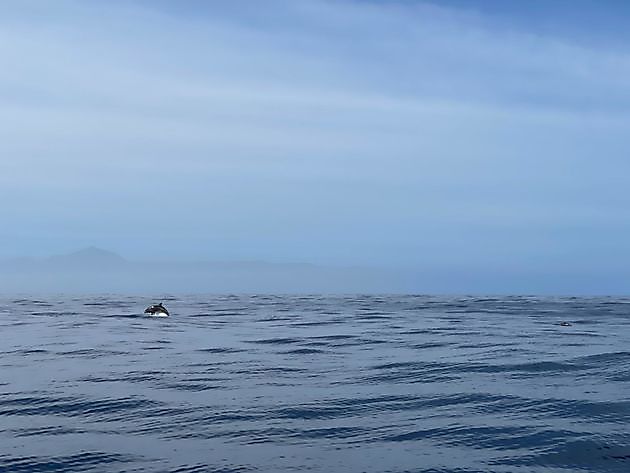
(156,309)
(565,324)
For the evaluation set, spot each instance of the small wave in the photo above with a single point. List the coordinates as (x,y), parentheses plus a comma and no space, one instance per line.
(303,351)
(68,463)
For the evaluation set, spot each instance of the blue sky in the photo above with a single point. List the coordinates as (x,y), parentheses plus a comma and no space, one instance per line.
(485,136)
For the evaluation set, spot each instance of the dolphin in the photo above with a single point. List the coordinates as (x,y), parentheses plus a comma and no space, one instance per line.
(157,310)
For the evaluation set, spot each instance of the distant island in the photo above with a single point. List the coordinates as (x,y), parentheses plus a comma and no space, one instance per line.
(98,270)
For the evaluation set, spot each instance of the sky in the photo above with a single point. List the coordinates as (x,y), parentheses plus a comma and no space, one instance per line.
(475,137)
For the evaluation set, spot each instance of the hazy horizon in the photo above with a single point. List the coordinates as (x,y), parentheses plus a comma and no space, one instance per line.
(94,270)
(473,146)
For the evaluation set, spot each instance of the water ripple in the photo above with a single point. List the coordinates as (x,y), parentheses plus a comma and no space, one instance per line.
(239,383)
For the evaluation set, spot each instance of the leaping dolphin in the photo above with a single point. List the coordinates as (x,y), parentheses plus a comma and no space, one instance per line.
(157,310)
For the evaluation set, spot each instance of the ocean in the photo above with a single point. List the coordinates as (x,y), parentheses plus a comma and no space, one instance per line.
(315,383)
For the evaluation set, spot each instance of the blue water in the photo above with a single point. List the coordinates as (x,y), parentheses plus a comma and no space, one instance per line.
(319,384)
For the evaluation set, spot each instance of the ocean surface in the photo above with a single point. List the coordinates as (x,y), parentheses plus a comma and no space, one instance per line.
(318,384)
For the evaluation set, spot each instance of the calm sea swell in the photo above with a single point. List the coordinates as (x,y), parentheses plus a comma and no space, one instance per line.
(326,384)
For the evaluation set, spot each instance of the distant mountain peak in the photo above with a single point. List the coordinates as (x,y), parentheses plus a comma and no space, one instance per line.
(89,256)
(94,251)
